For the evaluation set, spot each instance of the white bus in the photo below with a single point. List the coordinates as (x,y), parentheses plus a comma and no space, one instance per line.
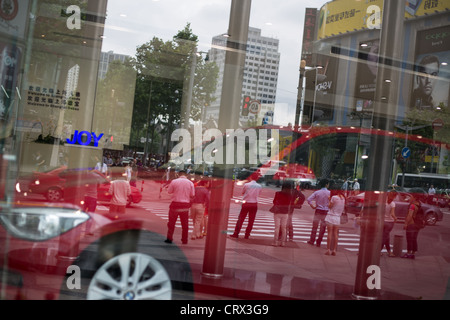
(423,180)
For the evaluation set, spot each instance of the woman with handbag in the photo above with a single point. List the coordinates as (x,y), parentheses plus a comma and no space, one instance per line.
(199,204)
(333,220)
(412,231)
(298,203)
(389,221)
(283,205)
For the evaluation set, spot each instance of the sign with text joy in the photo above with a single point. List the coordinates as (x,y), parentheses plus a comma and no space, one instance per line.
(85,138)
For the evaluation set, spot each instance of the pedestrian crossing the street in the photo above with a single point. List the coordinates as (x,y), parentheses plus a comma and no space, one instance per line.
(263,227)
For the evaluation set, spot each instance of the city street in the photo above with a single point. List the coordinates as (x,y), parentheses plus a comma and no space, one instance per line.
(250,259)
(257,269)
(433,240)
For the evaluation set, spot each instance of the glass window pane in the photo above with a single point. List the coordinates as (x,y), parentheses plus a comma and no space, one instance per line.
(119,118)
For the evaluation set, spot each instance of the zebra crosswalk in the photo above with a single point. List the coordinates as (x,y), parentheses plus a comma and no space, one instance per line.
(263,227)
(261,200)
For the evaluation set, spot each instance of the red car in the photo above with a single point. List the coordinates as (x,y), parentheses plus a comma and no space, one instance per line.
(433,214)
(52,251)
(442,199)
(54,185)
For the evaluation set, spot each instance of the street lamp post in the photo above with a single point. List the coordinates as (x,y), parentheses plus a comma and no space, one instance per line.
(147,122)
(189,98)
(302,86)
(316,68)
(311,114)
(299,109)
(221,193)
(187,113)
(360,114)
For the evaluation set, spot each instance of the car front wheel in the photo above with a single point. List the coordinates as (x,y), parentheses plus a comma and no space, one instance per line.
(130,276)
(431,219)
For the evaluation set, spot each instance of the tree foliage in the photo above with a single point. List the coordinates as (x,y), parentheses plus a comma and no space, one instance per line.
(163,70)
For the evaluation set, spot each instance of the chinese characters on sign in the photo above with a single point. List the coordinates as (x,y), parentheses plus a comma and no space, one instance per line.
(341,16)
(308,35)
(53,98)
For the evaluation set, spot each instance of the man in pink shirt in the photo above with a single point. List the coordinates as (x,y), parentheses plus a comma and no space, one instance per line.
(120,190)
(182,191)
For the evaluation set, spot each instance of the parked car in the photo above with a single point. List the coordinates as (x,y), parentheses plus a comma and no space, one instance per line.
(355,205)
(54,185)
(420,193)
(442,198)
(49,244)
(48,184)
(301,175)
(245,173)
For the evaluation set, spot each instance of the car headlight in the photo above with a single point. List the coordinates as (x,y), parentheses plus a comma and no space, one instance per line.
(39,224)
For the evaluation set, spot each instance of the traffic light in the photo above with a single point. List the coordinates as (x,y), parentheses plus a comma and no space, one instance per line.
(246,105)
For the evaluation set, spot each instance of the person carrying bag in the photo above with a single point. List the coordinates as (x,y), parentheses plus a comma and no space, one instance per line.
(283,205)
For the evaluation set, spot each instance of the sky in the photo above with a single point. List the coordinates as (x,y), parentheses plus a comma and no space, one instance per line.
(135,22)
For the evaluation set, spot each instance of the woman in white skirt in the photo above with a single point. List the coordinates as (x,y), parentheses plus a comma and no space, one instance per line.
(333,220)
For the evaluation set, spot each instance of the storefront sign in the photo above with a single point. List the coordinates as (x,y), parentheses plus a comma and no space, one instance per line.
(342,16)
(74,21)
(38,96)
(13,17)
(431,82)
(366,76)
(308,35)
(84,138)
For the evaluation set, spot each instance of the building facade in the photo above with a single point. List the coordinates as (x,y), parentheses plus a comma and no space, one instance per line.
(106,58)
(260,72)
(341,82)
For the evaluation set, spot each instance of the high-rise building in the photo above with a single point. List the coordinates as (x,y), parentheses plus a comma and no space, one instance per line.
(105,59)
(260,72)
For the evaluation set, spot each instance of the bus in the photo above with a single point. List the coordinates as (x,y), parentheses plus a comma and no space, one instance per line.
(422,180)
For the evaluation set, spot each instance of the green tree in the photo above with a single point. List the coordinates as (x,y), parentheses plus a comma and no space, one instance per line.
(163,75)
(426,117)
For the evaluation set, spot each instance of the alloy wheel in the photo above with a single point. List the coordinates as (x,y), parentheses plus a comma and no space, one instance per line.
(54,195)
(130,276)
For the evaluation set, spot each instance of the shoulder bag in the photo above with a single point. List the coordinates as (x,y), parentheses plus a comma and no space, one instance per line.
(344,218)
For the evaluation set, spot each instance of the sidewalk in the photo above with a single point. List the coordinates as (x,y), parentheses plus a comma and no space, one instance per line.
(254,269)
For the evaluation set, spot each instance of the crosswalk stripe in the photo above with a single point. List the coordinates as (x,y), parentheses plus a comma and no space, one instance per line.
(263,226)
(261,200)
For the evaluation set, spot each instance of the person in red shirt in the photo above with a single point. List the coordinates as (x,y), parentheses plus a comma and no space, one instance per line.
(284,200)
(411,229)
